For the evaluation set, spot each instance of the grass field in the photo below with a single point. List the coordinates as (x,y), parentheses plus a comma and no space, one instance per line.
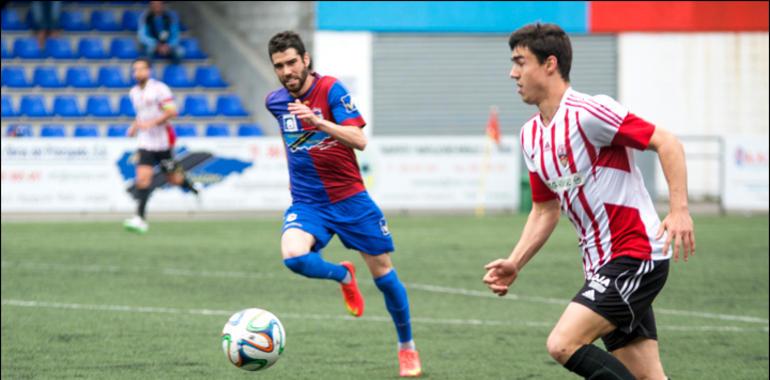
(88,300)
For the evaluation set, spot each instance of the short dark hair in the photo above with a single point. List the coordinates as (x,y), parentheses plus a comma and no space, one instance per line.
(545,40)
(285,40)
(143,59)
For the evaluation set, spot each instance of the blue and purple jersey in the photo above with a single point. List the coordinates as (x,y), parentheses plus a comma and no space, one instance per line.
(321,169)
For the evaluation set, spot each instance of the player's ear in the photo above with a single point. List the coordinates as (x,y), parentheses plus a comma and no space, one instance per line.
(306,59)
(551,64)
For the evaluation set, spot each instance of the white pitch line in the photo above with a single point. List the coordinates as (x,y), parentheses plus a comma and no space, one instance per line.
(416,286)
(323,317)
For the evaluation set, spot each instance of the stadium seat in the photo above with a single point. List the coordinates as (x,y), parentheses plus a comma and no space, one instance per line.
(130,20)
(53,130)
(117,130)
(66,106)
(92,48)
(13,76)
(47,77)
(176,76)
(186,130)
(99,106)
(111,77)
(27,48)
(248,130)
(126,107)
(197,105)
(19,130)
(59,48)
(7,107)
(86,130)
(80,77)
(6,53)
(105,21)
(230,105)
(123,48)
(11,20)
(73,21)
(191,49)
(33,106)
(208,76)
(218,130)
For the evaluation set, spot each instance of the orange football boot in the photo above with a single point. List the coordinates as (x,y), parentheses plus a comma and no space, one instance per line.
(354,301)
(409,363)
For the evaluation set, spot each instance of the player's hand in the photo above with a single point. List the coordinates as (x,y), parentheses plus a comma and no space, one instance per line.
(500,275)
(304,114)
(680,230)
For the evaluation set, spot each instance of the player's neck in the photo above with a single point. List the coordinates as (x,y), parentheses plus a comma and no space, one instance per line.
(550,104)
(143,84)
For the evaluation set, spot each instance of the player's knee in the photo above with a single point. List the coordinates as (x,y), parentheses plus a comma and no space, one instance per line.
(559,347)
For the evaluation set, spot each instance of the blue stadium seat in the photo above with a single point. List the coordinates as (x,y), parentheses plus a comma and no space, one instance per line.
(218,130)
(53,130)
(105,21)
(6,53)
(117,130)
(66,106)
(47,77)
(92,48)
(126,107)
(73,21)
(59,48)
(230,105)
(33,106)
(186,130)
(8,110)
(112,77)
(99,106)
(197,105)
(19,130)
(248,130)
(80,77)
(123,48)
(191,49)
(11,20)
(86,130)
(208,76)
(27,48)
(130,19)
(14,76)
(176,76)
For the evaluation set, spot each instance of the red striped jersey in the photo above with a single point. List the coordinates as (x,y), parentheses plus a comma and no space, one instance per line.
(585,159)
(149,103)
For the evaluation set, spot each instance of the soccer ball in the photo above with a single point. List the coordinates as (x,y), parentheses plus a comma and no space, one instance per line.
(253,339)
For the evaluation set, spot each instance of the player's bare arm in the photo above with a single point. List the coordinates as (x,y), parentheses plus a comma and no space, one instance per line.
(168,114)
(541,222)
(678,222)
(350,136)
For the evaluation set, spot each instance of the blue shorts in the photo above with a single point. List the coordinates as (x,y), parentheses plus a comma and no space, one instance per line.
(357,220)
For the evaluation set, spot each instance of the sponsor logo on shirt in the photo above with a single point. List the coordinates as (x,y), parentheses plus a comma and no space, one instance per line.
(565,183)
(347,102)
(290,123)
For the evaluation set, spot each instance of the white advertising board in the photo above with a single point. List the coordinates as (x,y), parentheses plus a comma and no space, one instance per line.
(746,168)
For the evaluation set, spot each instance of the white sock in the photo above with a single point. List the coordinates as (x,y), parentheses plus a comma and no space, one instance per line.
(347,279)
(407,345)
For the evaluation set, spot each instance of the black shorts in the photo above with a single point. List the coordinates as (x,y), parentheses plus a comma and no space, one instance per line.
(622,292)
(164,158)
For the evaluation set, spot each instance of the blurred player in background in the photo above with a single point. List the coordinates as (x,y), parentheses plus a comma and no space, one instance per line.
(155,107)
(321,126)
(578,152)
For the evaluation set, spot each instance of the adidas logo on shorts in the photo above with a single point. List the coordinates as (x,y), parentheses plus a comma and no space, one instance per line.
(589,294)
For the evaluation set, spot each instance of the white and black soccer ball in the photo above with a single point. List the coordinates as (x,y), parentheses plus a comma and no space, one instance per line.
(253,339)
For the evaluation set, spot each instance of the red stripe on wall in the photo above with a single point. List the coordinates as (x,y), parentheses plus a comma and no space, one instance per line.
(677,16)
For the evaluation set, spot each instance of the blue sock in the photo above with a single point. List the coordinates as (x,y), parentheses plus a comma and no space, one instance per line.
(313,266)
(397,304)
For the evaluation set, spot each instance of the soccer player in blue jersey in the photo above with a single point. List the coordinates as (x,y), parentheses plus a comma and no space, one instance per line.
(321,126)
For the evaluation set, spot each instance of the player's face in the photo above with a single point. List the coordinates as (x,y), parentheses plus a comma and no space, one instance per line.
(291,69)
(529,74)
(141,71)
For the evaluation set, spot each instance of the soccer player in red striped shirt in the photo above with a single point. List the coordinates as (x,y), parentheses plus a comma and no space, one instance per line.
(579,153)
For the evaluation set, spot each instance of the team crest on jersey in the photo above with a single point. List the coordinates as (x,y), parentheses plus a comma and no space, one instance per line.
(561,151)
(347,102)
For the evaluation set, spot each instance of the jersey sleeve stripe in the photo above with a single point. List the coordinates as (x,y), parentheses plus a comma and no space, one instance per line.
(616,120)
(606,109)
(540,191)
(592,112)
(589,147)
(635,132)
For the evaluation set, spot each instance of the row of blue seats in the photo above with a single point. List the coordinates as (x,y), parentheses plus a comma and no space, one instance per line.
(75,20)
(120,130)
(195,105)
(109,76)
(89,48)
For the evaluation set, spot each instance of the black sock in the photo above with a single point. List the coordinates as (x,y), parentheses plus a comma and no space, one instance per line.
(141,197)
(593,363)
(187,185)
